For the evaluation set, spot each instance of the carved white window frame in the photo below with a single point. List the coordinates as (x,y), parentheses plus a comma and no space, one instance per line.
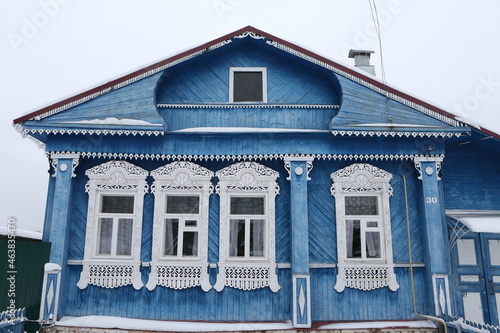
(247,179)
(112,271)
(262,70)
(180,178)
(362,179)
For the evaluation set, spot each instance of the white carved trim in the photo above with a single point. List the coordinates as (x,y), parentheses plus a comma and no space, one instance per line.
(247,276)
(180,177)
(77,131)
(259,157)
(178,276)
(248,106)
(309,163)
(366,274)
(442,301)
(112,275)
(436,159)
(119,177)
(408,134)
(250,34)
(241,178)
(54,157)
(302,301)
(365,277)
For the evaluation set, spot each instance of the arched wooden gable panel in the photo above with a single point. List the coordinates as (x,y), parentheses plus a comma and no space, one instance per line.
(300,95)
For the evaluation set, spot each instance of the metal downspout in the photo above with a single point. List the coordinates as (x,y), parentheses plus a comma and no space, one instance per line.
(435,319)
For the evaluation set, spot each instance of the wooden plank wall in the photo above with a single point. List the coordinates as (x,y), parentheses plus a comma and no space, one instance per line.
(289,118)
(261,305)
(134,101)
(361,105)
(474,184)
(290,80)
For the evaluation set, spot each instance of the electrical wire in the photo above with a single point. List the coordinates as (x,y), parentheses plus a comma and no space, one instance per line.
(373,9)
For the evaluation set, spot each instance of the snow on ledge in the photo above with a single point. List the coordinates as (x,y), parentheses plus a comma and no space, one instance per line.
(114,121)
(245,130)
(169,326)
(183,326)
(21,233)
(379,324)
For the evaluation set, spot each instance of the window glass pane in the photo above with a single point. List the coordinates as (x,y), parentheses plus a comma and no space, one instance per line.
(256,238)
(171,237)
(466,252)
(353,241)
(190,244)
(372,224)
(105,233)
(247,206)
(124,240)
(361,205)
(190,223)
(373,245)
(117,204)
(247,87)
(183,204)
(237,238)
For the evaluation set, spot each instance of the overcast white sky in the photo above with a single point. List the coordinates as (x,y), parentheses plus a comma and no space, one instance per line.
(445,52)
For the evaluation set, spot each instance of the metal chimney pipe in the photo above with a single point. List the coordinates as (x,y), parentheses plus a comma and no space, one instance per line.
(362,60)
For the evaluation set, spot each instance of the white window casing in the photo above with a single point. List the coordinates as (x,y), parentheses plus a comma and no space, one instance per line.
(247,256)
(372,266)
(171,267)
(114,225)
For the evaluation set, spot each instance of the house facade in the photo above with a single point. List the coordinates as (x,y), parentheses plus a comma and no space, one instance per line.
(251,180)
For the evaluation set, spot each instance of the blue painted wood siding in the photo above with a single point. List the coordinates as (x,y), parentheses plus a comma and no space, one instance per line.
(290,80)
(134,101)
(239,144)
(259,305)
(361,105)
(261,117)
(470,178)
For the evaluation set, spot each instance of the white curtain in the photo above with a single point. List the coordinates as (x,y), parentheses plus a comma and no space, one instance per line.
(373,244)
(124,237)
(349,236)
(257,236)
(170,237)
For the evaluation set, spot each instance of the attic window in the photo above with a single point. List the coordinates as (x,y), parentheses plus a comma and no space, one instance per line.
(247,85)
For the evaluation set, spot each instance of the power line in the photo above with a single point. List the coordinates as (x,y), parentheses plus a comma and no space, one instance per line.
(373,9)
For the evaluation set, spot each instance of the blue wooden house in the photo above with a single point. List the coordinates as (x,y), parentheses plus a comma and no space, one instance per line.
(251,180)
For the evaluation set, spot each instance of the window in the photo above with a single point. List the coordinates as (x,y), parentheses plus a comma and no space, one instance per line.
(115,220)
(364,241)
(180,226)
(247,258)
(248,84)
(114,225)
(363,227)
(246,227)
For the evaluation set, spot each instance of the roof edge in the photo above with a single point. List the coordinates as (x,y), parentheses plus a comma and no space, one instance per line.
(104,88)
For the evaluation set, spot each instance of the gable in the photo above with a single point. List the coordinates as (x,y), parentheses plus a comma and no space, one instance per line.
(191,90)
(365,111)
(197,93)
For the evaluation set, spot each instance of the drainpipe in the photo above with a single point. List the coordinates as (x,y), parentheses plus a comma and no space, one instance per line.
(435,319)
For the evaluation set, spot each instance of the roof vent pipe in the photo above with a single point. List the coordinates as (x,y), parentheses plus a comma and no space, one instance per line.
(362,60)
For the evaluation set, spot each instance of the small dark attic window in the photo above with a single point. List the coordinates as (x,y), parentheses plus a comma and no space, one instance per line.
(248,84)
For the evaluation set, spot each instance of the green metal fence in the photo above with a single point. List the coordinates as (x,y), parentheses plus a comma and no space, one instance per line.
(21,276)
